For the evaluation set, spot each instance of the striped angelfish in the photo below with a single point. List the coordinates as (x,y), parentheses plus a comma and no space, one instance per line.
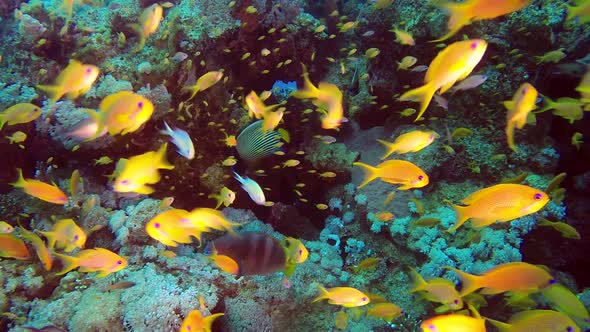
(253,144)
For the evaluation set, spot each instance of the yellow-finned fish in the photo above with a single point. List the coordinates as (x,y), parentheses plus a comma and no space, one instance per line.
(452,64)
(537,320)
(454,323)
(501,202)
(204,82)
(75,80)
(226,197)
(467,12)
(19,113)
(396,172)
(121,113)
(99,260)
(40,190)
(519,108)
(40,248)
(347,297)
(149,21)
(413,141)
(65,235)
(134,174)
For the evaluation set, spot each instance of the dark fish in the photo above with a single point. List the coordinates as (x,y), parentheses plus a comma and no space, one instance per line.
(48,328)
(255,253)
(120,285)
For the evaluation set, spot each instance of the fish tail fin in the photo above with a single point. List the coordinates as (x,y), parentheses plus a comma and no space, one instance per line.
(419,282)
(20,181)
(459,17)
(69,263)
(423,95)
(571,13)
(55,92)
(218,198)
(193,89)
(96,117)
(50,236)
(391,148)
(510,135)
(501,326)
(323,293)
(309,90)
(140,45)
(371,173)
(469,282)
(167,130)
(3,120)
(549,104)
(462,216)
(161,158)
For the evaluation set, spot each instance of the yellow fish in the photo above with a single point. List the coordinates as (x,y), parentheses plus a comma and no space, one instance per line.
(564,300)
(75,80)
(42,251)
(99,260)
(566,230)
(366,264)
(256,106)
(537,320)
(577,140)
(225,197)
(40,190)
(519,108)
(207,219)
(17,137)
(5,228)
(465,13)
(271,120)
(413,141)
(172,227)
(396,172)
(104,160)
(501,202)
(406,63)
(19,113)
(438,290)
(347,297)
(386,311)
(568,108)
(553,56)
(121,113)
(454,323)
(204,82)
(403,37)
(229,161)
(452,64)
(582,11)
(195,322)
(65,235)
(517,276)
(13,247)
(135,173)
(291,163)
(149,21)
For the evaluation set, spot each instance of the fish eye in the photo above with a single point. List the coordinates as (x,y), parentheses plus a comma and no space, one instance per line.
(76,237)
(300,251)
(538,196)
(157,225)
(36,110)
(420,177)
(431,327)
(552,281)
(473,45)
(524,91)
(569,329)
(88,70)
(140,104)
(119,262)
(364,299)
(125,182)
(456,301)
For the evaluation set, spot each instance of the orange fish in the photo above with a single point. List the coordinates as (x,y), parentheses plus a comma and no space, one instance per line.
(413,141)
(41,190)
(195,322)
(396,172)
(465,13)
(452,64)
(537,320)
(384,216)
(204,82)
(454,323)
(256,106)
(366,263)
(65,234)
(75,80)
(149,21)
(518,276)
(438,290)
(224,262)
(344,296)
(207,219)
(172,227)
(519,108)
(501,202)
(99,260)
(40,247)
(387,311)
(13,247)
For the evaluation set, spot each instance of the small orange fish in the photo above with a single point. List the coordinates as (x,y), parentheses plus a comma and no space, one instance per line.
(65,234)
(224,262)
(396,172)
(203,83)
(386,311)
(195,322)
(19,113)
(518,276)
(172,227)
(149,21)
(438,290)
(341,320)
(13,247)
(403,37)
(519,108)
(40,247)
(120,285)
(99,260)
(384,216)
(537,320)
(343,296)
(366,264)
(454,323)
(413,141)
(40,190)
(452,64)
(470,11)
(75,80)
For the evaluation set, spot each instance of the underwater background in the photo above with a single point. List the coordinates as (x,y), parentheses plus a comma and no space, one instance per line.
(291,165)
